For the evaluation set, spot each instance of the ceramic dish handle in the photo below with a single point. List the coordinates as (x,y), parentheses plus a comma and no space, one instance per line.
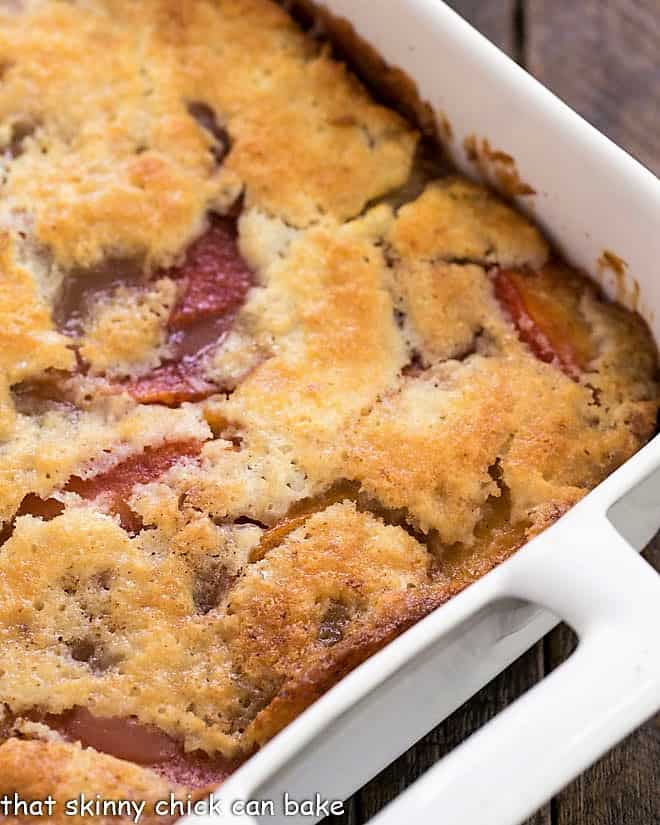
(596,582)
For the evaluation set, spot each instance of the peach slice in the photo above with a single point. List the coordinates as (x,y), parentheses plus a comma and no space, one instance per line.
(216,282)
(134,741)
(115,485)
(544,306)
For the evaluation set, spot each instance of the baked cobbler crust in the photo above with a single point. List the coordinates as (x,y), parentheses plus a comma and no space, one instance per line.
(257,417)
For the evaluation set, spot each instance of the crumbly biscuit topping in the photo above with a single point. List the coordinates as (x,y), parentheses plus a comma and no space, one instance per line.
(263,402)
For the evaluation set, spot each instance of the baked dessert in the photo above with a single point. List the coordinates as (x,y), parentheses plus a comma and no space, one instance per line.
(272,389)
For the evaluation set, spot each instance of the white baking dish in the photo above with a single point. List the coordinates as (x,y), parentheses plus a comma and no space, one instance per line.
(591,197)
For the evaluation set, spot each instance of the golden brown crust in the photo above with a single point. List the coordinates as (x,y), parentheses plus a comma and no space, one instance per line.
(62,770)
(308,683)
(379,422)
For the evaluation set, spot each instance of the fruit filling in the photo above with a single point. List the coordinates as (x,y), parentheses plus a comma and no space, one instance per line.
(127,738)
(421,388)
(544,306)
(114,485)
(216,281)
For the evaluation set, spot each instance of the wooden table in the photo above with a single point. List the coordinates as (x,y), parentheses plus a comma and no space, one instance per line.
(603,58)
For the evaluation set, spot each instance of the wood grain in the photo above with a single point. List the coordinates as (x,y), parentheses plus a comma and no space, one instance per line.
(621,789)
(602,58)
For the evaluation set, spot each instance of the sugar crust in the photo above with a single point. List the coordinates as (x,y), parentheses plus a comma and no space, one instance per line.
(381,389)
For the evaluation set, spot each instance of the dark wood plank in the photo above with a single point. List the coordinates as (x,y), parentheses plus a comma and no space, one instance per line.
(621,789)
(493,18)
(603,58)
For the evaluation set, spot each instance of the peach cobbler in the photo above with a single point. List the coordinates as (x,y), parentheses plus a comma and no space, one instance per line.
(273,386)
